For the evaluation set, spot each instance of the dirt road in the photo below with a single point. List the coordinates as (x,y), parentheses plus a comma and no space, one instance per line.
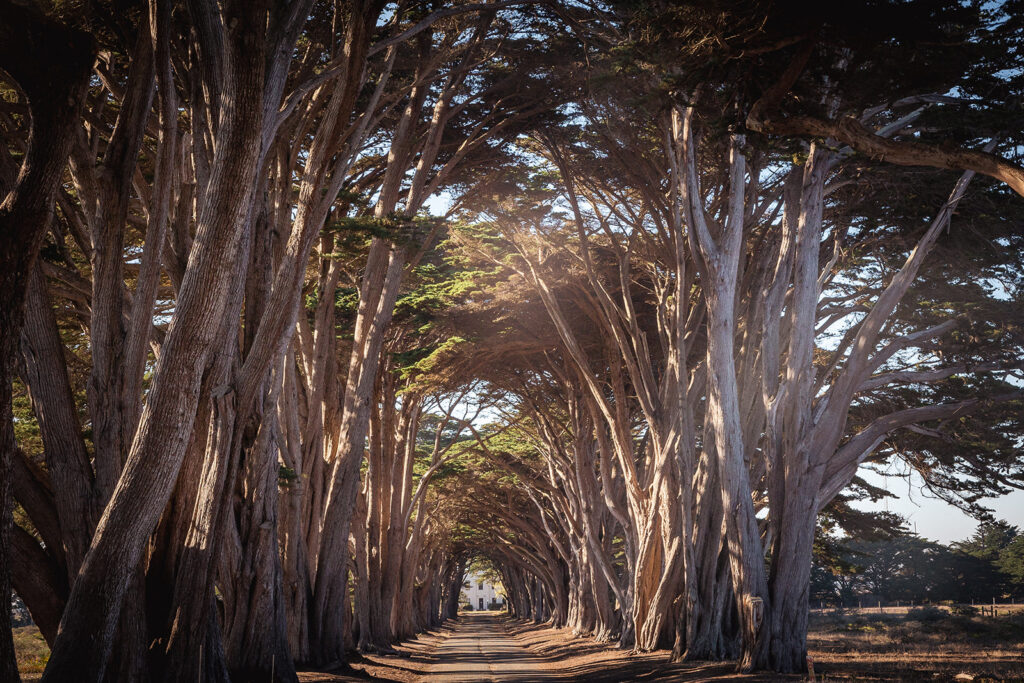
(480,649)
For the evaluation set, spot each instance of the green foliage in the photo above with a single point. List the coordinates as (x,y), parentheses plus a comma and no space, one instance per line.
(1011,560)
(30,649)
(418,362)
(286,476)
(396,227)
(26,427)
(909,568)
(1001,546)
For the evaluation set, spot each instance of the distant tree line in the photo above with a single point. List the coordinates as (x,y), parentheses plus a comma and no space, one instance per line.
(987,566)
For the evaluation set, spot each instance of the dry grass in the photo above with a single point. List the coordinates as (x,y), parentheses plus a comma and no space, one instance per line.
(30,650)
(922,644)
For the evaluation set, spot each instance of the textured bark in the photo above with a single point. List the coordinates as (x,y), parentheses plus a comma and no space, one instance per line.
(87,629)
(198,515)
(69,471)
(50,64)
(34,493)
(720,256)
(255,626)
(850,131)
(376,304)
(795,470)
(190,649)
(136,345)
(39,582)
(109,409)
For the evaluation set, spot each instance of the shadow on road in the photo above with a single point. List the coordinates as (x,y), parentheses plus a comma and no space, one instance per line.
(482,647)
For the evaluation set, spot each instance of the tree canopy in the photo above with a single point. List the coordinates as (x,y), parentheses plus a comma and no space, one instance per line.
(309,305)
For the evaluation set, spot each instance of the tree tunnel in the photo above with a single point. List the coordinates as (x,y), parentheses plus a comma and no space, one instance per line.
(308,304)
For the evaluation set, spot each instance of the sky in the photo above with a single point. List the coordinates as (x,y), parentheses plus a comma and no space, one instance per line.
(933,518)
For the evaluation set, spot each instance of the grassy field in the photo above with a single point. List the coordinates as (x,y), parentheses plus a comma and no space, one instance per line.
(924,643)
(31,649)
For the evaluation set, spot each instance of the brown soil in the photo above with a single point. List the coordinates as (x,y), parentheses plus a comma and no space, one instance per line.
(844,647)
(551,654)
(572,658)
(411,661)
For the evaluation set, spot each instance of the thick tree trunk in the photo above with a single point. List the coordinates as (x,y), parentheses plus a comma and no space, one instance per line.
(190,650)
(187,552)
(44,372)
(87,629)
(255,626)
(786,650)
(376,305)
(721,258)
(794,472)
(110,409)
(51,65)
(706,636)
(8,663)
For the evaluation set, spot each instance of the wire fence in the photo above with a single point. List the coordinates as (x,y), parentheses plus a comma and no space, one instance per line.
(901,607)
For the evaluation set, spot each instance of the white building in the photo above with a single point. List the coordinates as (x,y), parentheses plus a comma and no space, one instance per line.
(482,593)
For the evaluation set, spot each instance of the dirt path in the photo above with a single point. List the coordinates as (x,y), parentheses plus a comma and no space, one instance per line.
(479,648)
(492,647)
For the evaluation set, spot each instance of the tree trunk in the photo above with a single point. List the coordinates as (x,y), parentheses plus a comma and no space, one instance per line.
(51,65)
(721,258)
(190,650)
(255,627)
(376,305)
(87,629)
(44,371)
(8,663)
(786,650)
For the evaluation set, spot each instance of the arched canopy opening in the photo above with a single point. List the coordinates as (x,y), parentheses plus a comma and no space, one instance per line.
(308,305)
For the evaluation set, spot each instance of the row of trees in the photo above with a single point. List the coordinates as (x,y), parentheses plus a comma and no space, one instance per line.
(709,331)
(259,408)
(207,332)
